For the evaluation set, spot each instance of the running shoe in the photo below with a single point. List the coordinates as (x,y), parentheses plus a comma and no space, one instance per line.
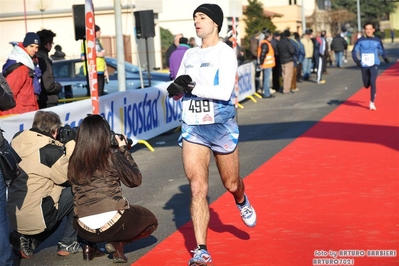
(201,257)
(26,250)
(248,213)
(67,249)
(372,106)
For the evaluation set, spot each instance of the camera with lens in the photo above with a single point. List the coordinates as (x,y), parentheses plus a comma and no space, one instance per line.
(66,133)
(115,143)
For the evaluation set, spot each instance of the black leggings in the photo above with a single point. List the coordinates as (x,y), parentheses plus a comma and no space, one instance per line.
(133,222)
(369,76)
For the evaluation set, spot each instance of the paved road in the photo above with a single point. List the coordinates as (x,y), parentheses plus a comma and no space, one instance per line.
(266,127)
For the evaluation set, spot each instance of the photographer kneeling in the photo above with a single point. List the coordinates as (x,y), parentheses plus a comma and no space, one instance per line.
(96,170)
(41,196)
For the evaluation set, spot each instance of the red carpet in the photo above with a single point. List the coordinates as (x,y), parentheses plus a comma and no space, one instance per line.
(334,188)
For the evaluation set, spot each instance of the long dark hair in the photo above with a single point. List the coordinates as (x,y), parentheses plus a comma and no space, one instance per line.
(93,145)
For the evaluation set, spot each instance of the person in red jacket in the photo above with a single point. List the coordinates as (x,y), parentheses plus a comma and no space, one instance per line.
(20,71)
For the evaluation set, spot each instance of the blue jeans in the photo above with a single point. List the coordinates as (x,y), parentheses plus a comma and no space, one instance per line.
(5,248)
(306,65)
(266,81)
(65,209)
(338,58)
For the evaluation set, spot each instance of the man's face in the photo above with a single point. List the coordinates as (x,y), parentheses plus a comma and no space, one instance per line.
(204,25)
(49,45)
(32,49)
(98,34)
(176,41)
(369,30)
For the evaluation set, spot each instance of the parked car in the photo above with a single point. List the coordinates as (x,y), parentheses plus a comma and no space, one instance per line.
(70,73)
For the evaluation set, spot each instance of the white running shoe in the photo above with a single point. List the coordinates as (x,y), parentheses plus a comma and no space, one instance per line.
(201,257)
(272,91)
(248,214)
(372,106)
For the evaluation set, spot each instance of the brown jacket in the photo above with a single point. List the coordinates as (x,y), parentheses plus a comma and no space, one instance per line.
(45,168)
(104,193)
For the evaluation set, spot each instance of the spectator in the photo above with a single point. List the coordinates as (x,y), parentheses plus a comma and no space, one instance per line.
(58,54)
(315,59)
(22,73)
(206,80)
(309,49)
(339,46)
(172,47)
(392,35)
(6,102)
(266,61)
(240,53)
(192,42)
(322,49)
(41,196)
(301,57)
(382,34)
(276,70)
(298,58)
(286,53)
(329,54)
(102,73)
(177,56)
(103,214)
(50,88)
(254,48)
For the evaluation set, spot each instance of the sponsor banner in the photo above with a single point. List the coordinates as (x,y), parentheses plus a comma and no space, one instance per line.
(246,81)
(139,114)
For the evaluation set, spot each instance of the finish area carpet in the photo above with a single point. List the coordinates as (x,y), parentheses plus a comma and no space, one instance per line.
(331,197)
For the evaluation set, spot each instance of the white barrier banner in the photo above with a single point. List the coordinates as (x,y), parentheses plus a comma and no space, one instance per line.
(246,81)
(139,114)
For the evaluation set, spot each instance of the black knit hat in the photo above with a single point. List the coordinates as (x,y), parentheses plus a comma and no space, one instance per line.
(97,28)
(31,38)
(213,11)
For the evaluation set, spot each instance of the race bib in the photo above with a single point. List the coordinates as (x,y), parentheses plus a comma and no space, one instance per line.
(198,112)
(368,59)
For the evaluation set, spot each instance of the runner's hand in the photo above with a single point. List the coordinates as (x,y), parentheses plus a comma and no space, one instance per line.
(186,82)
(174,89)
(386,59)
(183,80)
(359,64)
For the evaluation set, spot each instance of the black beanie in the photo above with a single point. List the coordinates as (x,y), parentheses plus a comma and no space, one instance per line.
(31,38)
(213,11)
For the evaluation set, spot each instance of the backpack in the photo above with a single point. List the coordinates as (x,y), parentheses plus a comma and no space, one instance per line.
(11,65)
(254,43)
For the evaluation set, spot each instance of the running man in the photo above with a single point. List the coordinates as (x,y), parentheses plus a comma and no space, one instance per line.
(205,82)
(369,47)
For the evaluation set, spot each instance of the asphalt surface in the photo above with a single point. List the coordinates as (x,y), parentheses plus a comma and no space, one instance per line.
(266,127)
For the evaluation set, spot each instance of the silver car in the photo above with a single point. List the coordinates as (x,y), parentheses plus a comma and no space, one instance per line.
(70,73)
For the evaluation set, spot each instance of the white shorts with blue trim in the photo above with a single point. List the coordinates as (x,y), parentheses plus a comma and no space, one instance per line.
(221,138)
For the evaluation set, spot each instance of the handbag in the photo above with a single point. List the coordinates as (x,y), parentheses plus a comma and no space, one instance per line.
(9,160)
